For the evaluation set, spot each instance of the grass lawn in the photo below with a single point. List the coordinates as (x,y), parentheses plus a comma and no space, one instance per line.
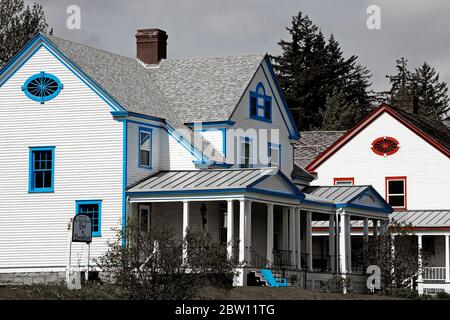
(292,293)
(241,293)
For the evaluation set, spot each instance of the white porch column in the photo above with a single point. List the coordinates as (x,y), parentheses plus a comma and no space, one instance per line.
(309,262)
(348,241)
(375,228)
(285,229)
(419,247)
(248,232)
(366,230)
(242,228)
(292,225)
(342,243)
(331,242)
(230,226)
(298,244)
(447,258)
(269,236)
(185,225)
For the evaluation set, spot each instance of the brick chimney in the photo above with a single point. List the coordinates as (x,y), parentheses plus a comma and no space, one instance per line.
(151,45)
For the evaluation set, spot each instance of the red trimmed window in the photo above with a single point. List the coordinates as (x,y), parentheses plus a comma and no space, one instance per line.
(344,181)
(385,146)
(396,194)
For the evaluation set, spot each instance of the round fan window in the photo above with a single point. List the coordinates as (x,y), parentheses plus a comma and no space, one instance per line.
(385,146)
(42,87)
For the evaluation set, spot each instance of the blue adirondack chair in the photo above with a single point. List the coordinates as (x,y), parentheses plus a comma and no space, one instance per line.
(271,281)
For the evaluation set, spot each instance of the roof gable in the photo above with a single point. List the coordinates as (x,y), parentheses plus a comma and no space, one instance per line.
(438,138)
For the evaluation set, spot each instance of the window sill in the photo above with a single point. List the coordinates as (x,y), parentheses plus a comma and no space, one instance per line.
(41,191)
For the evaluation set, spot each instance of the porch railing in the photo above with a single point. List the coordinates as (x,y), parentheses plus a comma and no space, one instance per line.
(282,258)
(434,273)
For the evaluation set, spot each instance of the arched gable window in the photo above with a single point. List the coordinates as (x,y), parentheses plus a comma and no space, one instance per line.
(260,104)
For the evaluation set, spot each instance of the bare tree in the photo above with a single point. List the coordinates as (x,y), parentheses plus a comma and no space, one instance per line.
(151,265)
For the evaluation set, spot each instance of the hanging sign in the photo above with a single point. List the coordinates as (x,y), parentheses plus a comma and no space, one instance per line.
(82,229)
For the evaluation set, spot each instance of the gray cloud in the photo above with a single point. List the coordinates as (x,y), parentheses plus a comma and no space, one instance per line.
(417,30)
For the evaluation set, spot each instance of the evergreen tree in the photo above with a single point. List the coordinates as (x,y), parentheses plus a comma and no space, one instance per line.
(310,68)
(432,94)
(18,24)
(420,91)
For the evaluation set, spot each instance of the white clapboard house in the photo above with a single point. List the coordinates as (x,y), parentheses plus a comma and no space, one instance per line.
(201,143)
(405,157)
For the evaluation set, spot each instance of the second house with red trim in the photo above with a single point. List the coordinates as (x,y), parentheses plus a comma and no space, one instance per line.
(405,157)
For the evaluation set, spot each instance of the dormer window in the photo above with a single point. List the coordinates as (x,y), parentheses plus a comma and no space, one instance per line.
(260,104)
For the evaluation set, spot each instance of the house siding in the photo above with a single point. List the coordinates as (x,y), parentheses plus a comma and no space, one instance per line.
(427,169)
(88,166)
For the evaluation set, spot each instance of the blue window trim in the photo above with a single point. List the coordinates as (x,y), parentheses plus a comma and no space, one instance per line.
(271,146)
(250,142)
(258,95)
(150,131)
(31,188)
(42,75)
(97,202)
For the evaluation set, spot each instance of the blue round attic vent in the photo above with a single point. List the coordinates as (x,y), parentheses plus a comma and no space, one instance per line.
(42,87)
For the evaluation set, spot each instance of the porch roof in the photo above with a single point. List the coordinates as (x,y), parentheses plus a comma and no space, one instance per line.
(217,180)
(423,218)
(417,219)
(362,197)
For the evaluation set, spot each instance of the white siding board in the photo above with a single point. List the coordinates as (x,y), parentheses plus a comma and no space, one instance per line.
(88,166)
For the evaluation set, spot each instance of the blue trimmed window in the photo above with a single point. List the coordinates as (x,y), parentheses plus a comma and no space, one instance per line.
(260,104)
(145,148)
(42,169)
(245,152)
(92,208)
(274,154)
(42,87)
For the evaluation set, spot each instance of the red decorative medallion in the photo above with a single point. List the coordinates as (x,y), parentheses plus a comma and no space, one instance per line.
(385,146)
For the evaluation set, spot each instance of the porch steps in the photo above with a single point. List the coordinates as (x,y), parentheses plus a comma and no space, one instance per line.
(258,279)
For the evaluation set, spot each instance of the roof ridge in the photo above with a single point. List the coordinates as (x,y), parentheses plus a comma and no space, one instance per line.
(90,47)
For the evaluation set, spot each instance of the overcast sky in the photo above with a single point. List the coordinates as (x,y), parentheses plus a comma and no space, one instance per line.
(418,30)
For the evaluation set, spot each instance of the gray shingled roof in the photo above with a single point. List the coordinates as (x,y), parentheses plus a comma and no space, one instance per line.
(124,79)
(312,143)
(206,89)
(200,180)
(179,90)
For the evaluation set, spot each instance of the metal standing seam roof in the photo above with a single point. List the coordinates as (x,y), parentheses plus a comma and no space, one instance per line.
(199,180)
(417,218)
(423,218)
(334,194)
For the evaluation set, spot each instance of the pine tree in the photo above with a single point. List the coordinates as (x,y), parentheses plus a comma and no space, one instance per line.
(420,91)
(18,24)
(432,94)
(309,70)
